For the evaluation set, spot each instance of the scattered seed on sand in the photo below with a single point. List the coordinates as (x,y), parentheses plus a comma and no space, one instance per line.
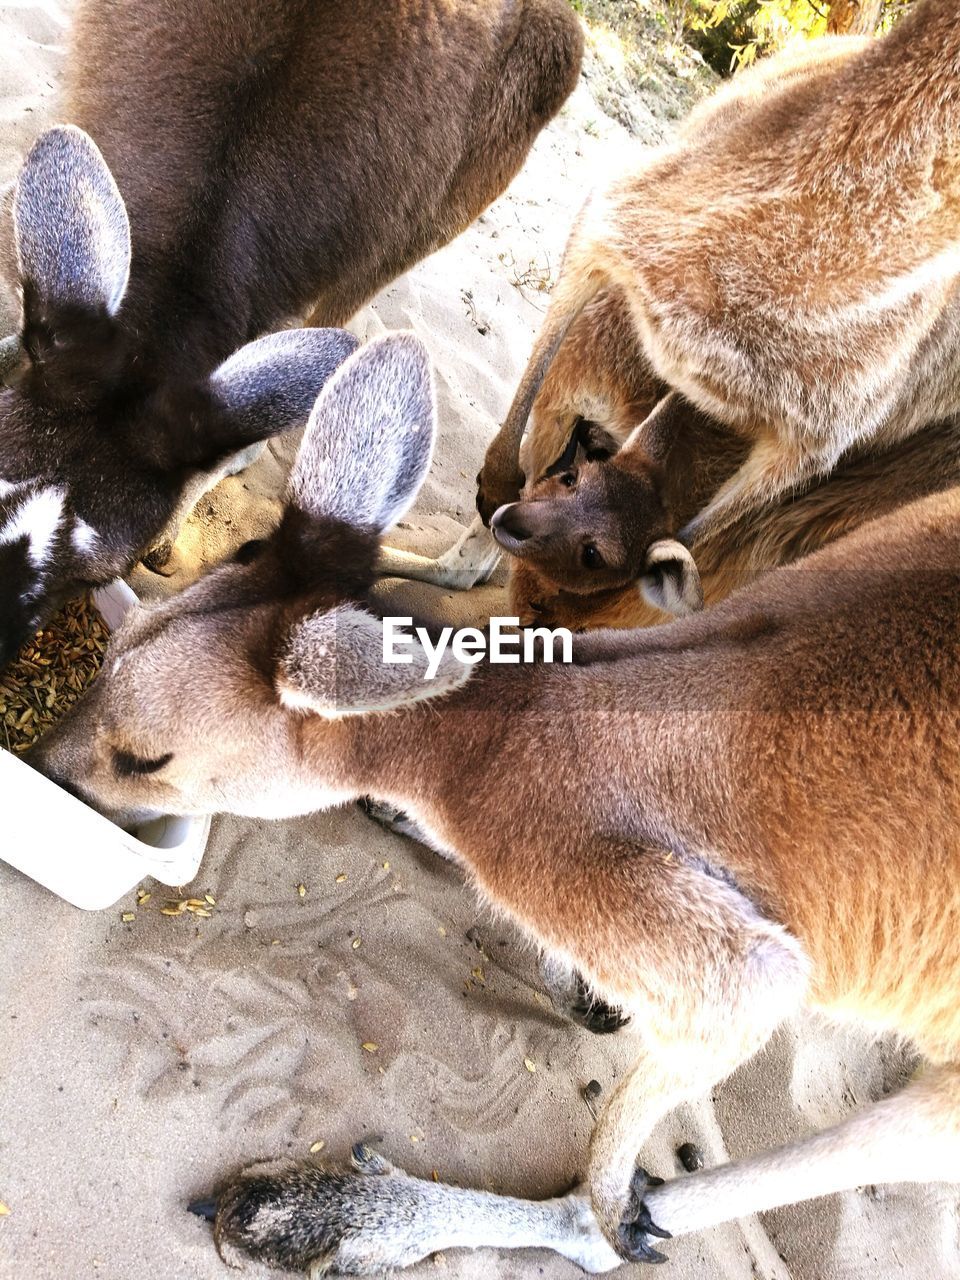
(183,906)
(370,1046)
(386,866)
(143,897)
(128,916)
(4,1210)
(340,878)
(530,1065)
(208,897)
(50,672)
(355,943)
(302,890)
(317,1146)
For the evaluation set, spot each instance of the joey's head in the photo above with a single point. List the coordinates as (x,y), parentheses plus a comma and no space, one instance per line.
(235,695)
(100,446)
(596,522)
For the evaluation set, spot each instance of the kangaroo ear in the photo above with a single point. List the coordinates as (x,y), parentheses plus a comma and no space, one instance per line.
(368,443)
(670,580)
(333,665)
(266,387)
(71,229)
(271,385)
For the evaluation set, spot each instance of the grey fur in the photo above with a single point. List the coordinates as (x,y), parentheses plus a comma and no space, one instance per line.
(333,666)
(304,1218)
(369,440)
(10,352)
(270,385)
(70,222)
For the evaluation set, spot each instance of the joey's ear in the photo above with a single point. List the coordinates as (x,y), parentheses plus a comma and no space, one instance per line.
(271,385)
(333,664)
(670,580)
(655,436)
(368,443)
(71,230)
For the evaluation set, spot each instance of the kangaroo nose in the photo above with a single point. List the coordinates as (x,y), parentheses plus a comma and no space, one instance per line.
(509,526)
(54,776)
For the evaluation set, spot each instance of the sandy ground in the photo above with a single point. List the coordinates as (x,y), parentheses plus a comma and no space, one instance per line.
(140,1061)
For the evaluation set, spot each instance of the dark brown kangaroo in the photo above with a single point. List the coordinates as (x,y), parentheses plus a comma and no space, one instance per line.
(236,166)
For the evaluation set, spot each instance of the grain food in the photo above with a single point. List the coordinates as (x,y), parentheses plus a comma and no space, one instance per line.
(50,673)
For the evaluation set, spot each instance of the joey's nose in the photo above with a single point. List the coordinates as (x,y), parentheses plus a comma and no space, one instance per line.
(509,526)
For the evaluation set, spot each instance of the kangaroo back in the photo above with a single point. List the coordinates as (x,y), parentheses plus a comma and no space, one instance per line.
(277,154)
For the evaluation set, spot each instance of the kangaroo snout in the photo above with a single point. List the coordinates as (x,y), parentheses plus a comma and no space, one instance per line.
(511,526)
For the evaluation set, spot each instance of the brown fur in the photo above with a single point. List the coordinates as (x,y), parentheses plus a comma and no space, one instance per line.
(806,344)
(322,152)
(752,808)
(277,159)
(700,456)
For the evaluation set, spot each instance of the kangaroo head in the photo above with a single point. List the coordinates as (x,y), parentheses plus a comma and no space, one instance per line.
(98,450)
(596,522)
(233,696)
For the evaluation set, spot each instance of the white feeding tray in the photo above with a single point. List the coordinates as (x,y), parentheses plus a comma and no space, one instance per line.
(74,851)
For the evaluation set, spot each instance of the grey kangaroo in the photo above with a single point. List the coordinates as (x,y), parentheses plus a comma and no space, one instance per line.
(231,168)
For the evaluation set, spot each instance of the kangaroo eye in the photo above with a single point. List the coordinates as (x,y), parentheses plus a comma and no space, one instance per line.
(568,480)
(591,557)
(126,765)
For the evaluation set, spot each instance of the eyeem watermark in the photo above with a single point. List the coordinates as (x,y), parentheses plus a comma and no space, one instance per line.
(470,645)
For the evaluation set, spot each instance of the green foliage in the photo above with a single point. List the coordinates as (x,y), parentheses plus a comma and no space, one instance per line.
(733,33)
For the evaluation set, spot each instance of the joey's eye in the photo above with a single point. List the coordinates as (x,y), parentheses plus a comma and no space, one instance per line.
(126,765)
(591,557)
(568,480)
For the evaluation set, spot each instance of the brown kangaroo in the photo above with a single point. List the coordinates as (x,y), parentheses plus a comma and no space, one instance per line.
(804,341)
(714,822)
(233,165)
(592,542)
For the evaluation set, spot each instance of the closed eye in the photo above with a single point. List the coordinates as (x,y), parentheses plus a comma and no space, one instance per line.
(126,765)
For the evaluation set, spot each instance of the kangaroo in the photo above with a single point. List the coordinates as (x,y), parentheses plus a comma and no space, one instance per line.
(230,169)
(592,542)
(790,264)
(754,808)
(591,529)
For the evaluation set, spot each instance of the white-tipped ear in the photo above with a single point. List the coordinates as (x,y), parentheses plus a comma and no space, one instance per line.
(70,224)
(271,385)
(670,580)
(368,443)
(334,664)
